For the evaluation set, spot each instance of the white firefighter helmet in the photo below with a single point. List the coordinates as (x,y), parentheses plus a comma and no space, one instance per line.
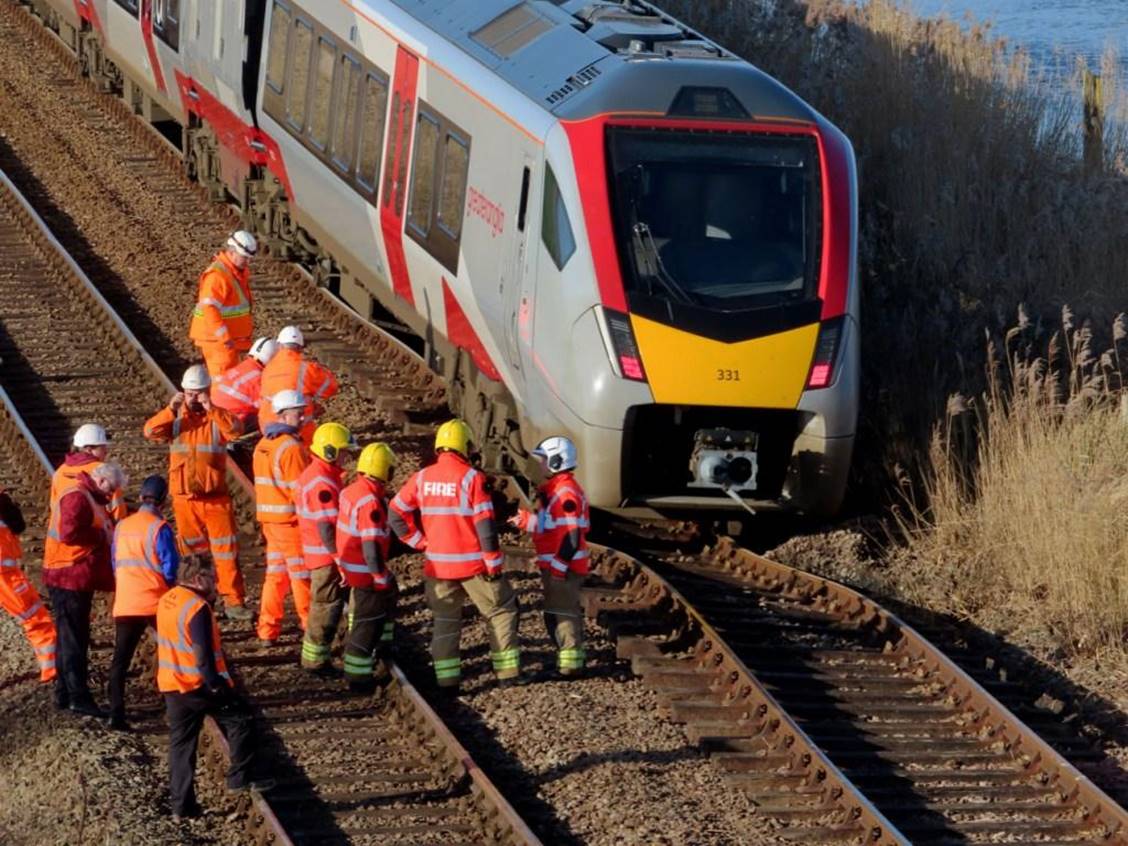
(287,401)
(263,350)
(244,243)
(291,335)
(557,454)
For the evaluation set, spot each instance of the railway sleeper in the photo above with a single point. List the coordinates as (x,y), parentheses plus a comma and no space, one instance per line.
(914,824)
(828,835)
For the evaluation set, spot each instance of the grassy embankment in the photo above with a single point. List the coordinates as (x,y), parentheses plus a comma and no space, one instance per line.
(974,203)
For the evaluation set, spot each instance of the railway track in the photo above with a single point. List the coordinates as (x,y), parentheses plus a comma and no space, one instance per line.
(351,770)
(842,721)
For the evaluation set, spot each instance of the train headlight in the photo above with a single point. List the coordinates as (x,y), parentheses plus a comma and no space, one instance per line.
(622,349)
(826,353)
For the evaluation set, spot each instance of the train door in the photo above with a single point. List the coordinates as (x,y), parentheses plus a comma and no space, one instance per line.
(517,276)
(394,192)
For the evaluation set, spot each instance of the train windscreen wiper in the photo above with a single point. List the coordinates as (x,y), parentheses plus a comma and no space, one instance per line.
(650,265)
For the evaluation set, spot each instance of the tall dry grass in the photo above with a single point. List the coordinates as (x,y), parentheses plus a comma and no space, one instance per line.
(1027,494)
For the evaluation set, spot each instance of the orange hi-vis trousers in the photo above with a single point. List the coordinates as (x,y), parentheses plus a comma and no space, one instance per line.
(285,571)
(218,358)
(20,599)
(208,525)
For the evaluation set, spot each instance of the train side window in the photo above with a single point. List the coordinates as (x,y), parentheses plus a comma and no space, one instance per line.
(343,147)
(423,174)
(297,85)
(556,229)
(373,119)
(166,22)
(452,187)
(322,93)
(130,6)
(406,107)
(279,35)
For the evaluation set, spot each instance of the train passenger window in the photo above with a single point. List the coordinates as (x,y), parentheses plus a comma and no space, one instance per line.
(389,174)
(406,107)
(343,146)
(297,84)
(166,22)
(556,229)
(279,32)
(452,189)
(130,6)
(322,93)
(372,131)
(423,174)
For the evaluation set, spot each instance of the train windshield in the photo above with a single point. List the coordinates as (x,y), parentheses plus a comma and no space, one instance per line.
(716,221)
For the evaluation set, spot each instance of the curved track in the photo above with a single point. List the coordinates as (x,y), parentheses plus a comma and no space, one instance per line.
(841,720)
(351,770)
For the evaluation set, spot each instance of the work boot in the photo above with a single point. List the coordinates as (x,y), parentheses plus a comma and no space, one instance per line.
(62,698)
(362,687)
(87,707)
(117,722)
(238,612)
(192,812)
(513,681)
(325,671)
(259,785)
(449,693)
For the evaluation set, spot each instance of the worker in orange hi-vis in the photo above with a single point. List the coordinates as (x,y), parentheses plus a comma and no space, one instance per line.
(237,390)
(279,460)
(292,370)
(197,434)
(221,321)
(90,447)
(18,596)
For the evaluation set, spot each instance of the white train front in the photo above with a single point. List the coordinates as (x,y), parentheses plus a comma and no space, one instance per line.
(595,221)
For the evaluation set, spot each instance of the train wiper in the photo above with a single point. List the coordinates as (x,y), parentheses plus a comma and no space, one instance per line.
(650,265)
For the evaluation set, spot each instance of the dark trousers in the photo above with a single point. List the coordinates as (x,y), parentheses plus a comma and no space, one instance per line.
(186,712)
(71,612)
(128,632)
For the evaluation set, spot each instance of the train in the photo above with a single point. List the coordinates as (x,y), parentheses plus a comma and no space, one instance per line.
(591,219)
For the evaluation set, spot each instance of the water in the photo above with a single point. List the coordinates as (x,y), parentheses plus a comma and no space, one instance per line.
(1053,31)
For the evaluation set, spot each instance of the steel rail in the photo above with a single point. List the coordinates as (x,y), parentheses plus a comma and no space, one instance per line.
(507,825)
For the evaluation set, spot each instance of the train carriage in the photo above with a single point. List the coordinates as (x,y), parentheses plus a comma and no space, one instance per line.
(597,221)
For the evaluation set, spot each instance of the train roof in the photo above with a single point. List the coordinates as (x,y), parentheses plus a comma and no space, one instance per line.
(579,58)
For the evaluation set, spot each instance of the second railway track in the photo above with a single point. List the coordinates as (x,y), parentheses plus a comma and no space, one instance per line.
(352,770)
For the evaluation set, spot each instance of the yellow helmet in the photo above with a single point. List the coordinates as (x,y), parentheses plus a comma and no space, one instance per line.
(378,461)
(330,440)
(454,435)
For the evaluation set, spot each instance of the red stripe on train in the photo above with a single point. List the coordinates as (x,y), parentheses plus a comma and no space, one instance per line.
(150,47)
(248,143)
(393,199)
(460,332)
(86,11)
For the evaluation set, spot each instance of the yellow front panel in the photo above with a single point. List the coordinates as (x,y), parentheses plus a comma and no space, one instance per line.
(687,369)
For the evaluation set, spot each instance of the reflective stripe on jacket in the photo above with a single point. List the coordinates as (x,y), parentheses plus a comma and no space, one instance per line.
(223,305)
(290,370)
(363,518)
(455,530)
(279,461)
(319,489)
(138,576)
(563,512)
(177,670)
(197,452)
(75,465)
(237,390)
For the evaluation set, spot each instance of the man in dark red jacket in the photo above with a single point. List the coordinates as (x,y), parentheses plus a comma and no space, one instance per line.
(76,562)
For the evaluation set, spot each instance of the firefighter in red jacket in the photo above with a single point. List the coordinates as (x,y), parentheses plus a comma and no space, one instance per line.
(559,528)
(445,512)
(319,489)
(362,555)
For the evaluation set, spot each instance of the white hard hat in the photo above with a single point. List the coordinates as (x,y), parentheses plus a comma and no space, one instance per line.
(287,401)
(557,453)
(90,435)
(196,378)
(244,243)
(291,335)
(263,350)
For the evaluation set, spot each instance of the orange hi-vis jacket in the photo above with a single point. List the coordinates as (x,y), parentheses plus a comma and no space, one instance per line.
(290,370)
(363,518)
(237,390)
(11,551)
(223,305)
(69,472)
(138,577)
(319,489)
(197,449)
(56,554)
(177,671)
(278,462)
(562,511)
(453,504)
